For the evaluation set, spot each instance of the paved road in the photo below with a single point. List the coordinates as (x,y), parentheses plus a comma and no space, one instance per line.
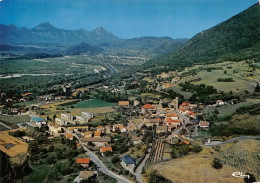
(183,118)
(217,143)
(138,171)
(196,131)
(175,132)
(101,165)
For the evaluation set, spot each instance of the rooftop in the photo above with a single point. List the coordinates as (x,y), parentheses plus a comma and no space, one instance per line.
(148,106)
(37,119)
(82,160)
(106,148)
(128,159)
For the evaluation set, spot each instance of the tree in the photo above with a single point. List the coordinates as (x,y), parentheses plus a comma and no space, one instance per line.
(115,159)
(216,163)
(250,178)
(108,153)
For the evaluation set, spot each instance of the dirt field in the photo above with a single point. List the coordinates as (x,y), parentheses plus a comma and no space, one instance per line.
(19,147)
(196,168)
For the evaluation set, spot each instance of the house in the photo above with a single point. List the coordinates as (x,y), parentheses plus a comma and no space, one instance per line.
(161,113)
(185,105)
(60,121)
(185,142)
(88,134)
(136,102)
(124,103)
(148,108)
(87,115)
(137,140)
(83,162)
(105,149)
(127,161)
(161,129)
(204,124)
(131,127)
(66,117)
(119,127)
(56,128)
(77,129)
(192,106)
(219,102)
(69,136)
(190,113)
(151,122)
(101,129)
(181,110)
(173,123)
(38,121)
(81,119)
(173,116)
(97,134)
(102,141)
(108,129)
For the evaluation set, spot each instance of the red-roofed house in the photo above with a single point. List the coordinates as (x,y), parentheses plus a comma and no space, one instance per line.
(173,116)
(172,123)
(148,108)
(105,149)
(83,161)
(185,105)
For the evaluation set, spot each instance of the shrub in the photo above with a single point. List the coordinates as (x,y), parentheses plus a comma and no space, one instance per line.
(216,163)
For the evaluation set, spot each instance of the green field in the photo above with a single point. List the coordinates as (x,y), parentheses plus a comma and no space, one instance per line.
(38,175)
(177,89)
(238,71)
(15,119)
(228,110)
(93,103)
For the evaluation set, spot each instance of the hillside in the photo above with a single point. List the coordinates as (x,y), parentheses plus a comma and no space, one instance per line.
(233,40)
(82,48)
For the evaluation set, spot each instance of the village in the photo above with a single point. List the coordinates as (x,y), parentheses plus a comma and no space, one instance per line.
(151,129)
(118,139)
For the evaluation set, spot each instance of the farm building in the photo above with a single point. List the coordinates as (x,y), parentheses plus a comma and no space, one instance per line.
(38,121)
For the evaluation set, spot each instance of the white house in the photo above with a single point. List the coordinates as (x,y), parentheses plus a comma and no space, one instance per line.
(67,116)
(88,115)
(81,119)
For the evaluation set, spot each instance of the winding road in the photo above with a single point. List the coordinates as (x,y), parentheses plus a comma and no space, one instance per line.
(217,143)
(101,165)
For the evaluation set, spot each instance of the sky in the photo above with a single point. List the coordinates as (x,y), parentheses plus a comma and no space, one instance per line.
(124,18)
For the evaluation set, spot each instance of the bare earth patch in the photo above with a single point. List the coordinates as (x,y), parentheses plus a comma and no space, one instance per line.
(11,145)
(196,168)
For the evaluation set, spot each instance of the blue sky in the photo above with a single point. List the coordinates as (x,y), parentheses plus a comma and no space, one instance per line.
(124,18)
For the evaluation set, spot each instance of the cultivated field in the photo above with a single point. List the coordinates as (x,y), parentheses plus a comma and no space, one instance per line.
(93,103)
(15,118)
(19,147)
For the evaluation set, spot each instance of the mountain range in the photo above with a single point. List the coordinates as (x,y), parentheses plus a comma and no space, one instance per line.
(47,33)
(45,38)
(236,39)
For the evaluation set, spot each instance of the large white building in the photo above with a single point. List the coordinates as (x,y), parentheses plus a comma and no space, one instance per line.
(87,115)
